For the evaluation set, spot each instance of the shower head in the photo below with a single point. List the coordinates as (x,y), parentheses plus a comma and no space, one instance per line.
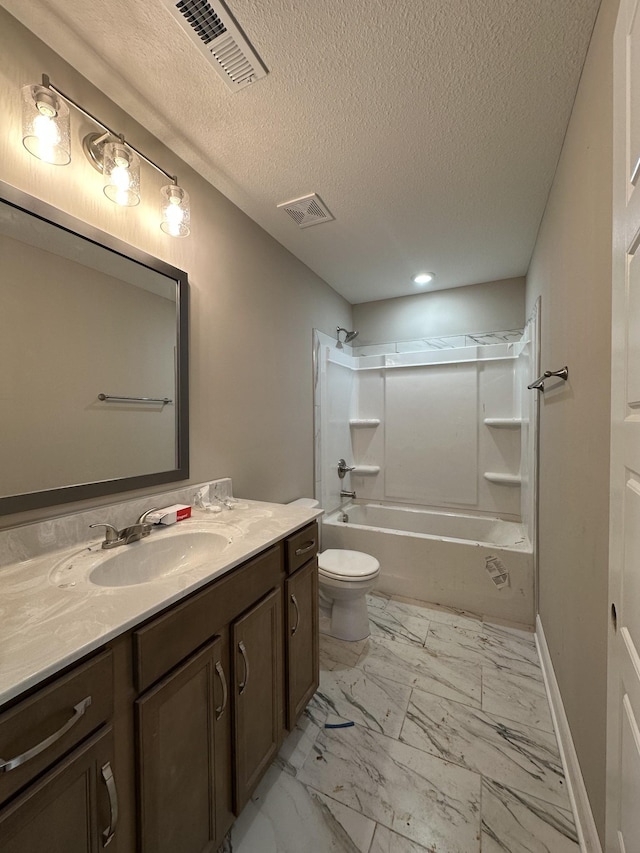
(348,336)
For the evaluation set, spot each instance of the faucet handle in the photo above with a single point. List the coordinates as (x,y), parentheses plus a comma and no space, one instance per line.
(111,536)
(143,517)
(343,468)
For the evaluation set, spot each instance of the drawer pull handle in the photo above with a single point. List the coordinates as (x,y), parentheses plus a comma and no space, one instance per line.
(220,710)
(78,712)
(110,782)
(304,549)
(295,604)
(243,652)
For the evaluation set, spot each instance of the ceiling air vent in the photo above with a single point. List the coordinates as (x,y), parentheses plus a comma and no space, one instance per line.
(308,210)
(218,36)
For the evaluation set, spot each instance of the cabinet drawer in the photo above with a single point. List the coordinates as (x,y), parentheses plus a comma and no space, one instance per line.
(172,637)
(73,808)
(302,547)
(37,731)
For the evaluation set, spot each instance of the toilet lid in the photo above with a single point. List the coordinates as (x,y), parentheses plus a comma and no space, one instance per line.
(341,563)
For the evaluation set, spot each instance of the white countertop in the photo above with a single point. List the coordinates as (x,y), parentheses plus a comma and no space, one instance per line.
(45,625)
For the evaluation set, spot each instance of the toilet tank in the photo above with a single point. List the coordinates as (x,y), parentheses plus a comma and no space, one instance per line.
(310,503)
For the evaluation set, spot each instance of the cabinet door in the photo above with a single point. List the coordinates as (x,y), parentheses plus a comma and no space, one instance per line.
(257,661)
(71,809)
(302,652)
(177,724)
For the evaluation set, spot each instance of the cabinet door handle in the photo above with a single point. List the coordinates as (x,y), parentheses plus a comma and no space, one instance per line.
(295,604)
(304,549)
(110,782)
(78,712)
(243,683)
(220,710)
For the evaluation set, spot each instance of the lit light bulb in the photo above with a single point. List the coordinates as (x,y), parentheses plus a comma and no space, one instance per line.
(121,174)
(48,135)
(45,125)
(121,182)
(176,215)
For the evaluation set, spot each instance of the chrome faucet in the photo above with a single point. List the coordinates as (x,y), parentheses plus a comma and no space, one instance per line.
(133,533)
(112,535)
(346,494)
(140,529)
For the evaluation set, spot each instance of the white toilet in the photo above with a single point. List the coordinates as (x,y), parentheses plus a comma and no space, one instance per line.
(344,579)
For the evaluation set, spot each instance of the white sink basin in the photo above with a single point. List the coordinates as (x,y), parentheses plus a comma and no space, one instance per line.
(140,562)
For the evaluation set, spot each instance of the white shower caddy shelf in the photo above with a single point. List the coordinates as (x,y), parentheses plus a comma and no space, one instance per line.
(366,470)
(504,423)
(361,423)
(503,479)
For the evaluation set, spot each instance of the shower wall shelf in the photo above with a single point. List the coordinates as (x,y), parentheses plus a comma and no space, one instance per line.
(503,479)
(366,470)
(360,423)
(504,423)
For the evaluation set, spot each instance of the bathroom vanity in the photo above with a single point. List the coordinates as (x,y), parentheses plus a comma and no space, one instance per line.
(154,738)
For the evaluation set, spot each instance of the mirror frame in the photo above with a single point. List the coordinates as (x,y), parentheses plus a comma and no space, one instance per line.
(64,494)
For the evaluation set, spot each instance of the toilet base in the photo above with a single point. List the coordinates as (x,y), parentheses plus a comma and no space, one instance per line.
(346,619)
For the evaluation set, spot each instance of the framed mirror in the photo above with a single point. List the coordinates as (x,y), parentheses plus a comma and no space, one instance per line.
(94,395)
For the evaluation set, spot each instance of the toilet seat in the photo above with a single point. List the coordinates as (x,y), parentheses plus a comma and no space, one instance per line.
(342,564)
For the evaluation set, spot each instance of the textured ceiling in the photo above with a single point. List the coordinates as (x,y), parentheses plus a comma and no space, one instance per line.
(430,128)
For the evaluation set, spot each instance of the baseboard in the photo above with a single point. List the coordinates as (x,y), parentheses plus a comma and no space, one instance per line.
(585,824)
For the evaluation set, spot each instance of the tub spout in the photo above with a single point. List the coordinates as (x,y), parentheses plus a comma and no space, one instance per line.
(345,494)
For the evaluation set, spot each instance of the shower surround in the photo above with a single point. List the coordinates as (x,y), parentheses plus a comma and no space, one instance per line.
(444,468)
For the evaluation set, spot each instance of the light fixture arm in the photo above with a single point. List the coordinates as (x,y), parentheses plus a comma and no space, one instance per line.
(46,82)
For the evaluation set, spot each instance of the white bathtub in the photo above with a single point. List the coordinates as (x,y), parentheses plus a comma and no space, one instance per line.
(479,564)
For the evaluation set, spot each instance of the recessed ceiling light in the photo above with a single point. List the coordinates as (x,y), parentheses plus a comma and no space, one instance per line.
(423,277)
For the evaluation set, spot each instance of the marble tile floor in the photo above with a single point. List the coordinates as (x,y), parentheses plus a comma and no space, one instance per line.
(450,747)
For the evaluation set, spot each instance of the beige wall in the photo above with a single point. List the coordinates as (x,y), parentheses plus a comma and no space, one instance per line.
(253,305)
(487,307)
(571,270)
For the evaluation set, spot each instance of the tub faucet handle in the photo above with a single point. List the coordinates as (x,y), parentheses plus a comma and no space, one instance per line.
(343,468)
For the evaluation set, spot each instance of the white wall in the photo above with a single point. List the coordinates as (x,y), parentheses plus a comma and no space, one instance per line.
(334,392)
(253,305)
(571,271)
(527,403)
(486,307)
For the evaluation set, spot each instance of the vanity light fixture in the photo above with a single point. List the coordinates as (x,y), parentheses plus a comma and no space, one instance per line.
(176,214)
(423,277)
(121,170)
(45,125)
(46,135)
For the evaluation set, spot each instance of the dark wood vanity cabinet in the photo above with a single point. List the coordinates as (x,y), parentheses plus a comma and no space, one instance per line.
(301,596)
(58,771)
(71,809)
(156,742)
(183,763)
(257,689)
(301,622)
(238,687)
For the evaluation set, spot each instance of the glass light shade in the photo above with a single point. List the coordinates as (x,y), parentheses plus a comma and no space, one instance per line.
(176,213)
(121,169)
(45,125)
